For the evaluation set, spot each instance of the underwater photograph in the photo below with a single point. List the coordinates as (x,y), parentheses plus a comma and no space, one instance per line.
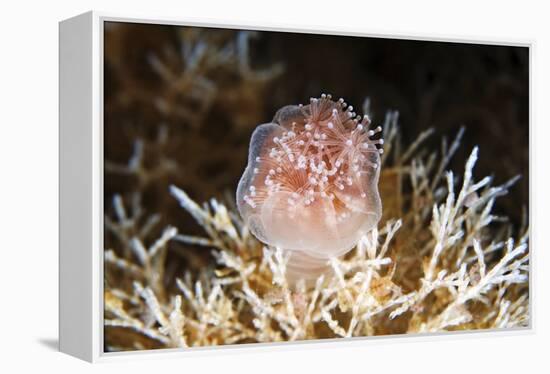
(273,186)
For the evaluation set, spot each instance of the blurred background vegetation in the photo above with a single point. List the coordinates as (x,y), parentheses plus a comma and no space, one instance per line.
(187,100)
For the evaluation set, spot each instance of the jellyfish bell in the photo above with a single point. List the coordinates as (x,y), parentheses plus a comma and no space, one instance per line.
(311,183)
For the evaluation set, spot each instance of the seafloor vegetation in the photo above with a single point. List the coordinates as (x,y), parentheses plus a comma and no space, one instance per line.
(440,259)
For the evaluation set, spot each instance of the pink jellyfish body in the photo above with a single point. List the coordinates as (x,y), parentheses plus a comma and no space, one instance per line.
(311,183)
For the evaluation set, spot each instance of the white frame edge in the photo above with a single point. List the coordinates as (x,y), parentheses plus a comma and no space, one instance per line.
(81,193)
(80,188)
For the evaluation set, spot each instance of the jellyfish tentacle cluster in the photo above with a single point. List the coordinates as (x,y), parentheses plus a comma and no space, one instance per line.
(311,183)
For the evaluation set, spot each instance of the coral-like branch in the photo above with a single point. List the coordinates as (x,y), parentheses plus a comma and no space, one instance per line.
(440,260)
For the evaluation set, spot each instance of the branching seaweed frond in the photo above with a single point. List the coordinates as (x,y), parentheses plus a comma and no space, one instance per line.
(440,260)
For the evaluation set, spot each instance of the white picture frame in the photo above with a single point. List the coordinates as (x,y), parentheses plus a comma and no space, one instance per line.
(81,194)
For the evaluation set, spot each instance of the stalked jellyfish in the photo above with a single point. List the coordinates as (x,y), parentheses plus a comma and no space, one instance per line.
(311,183)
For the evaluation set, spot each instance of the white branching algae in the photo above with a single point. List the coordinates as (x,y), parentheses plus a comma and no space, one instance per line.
(438,259)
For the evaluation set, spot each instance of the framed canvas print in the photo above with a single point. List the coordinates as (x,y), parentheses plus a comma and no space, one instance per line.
(251,186)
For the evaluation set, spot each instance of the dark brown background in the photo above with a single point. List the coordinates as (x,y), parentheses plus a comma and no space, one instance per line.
(442,85)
